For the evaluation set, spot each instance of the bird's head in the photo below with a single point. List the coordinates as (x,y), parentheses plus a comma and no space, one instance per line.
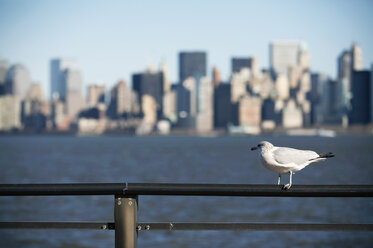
(264,145)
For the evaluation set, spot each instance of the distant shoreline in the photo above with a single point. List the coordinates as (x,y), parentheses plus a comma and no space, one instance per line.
(339,131)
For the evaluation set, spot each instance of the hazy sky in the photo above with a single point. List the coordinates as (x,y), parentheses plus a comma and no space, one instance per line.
(113,39)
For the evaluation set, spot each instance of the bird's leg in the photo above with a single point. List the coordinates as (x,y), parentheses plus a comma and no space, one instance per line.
(287,186)
(279,179)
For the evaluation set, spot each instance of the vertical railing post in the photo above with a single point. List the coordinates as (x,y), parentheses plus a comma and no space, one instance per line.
(125,217)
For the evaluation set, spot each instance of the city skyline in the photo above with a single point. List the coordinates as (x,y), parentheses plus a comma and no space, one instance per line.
(113,45)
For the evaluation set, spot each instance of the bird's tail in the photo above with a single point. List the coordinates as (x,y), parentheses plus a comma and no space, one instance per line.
(323,155)
(326,155)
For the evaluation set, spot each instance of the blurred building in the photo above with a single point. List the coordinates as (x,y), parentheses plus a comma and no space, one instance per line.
(251,63)
(319,97)
(166,79)
(122,101)
(344,66)
(96,94)
(10,113)
(250,111)
(222,105)
(371,94)
(239,63)
(149,109)
(239,82)
(71,92)
(205,105)
(269,112)
(283,56)
(60,122)
(186,98)
(123,98)
(149,83)
(170,105)
(361,97)
(356,58)
(216,77)
(192,64)
(18,81)
(348,62)
(3,69)
(57,70)
(292,115)
(282,87)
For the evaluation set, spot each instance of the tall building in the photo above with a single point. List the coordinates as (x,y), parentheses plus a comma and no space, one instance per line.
(205,107)
(166,79)
(96,94)
(356,58)
(252,63)
(239,82)
(250,111)
(282,87)
(35,110)
(216,78)
(192,64)
(18,81)
(292,115)
(71,92)
(10,113)
(183,100)
(170,105)
(240,63)
(122,100)
(284,55)
(149,83)
(361,97)
(344,66)
(35,92)
(222,105)
(319,97)
(123,94)
(371,94)
(57,68)
(3,69)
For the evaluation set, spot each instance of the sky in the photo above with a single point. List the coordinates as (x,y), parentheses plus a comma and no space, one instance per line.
(111,40)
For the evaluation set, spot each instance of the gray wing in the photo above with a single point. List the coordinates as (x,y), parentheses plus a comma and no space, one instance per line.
(285,155)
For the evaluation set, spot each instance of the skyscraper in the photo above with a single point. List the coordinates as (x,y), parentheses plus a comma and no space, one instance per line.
(205,105)
(57,68)
(344,66)
(356,58)
(371,94)
(96,94)
(284,55)
(216,78)
(251,63)
(222,105)
(360,102)
(18,81)
(3,68)
(240,63)
(71,92)
(122,100)
(149,83)
(192,64)
(318,97)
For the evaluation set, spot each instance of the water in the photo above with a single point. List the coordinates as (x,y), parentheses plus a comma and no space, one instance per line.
(46,159)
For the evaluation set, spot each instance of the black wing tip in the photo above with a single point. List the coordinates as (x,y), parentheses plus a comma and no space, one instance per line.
(326,155)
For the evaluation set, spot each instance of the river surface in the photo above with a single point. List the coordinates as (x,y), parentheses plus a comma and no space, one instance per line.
(226,160)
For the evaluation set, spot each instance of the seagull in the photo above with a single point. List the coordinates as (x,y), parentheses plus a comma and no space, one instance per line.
(287,160)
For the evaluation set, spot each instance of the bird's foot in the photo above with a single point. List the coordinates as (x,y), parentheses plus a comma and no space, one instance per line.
(286,186)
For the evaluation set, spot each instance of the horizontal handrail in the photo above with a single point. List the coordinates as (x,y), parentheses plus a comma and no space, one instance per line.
(196,226)
(134,189)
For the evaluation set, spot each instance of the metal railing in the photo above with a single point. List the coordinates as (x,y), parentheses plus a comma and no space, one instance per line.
(126,199)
